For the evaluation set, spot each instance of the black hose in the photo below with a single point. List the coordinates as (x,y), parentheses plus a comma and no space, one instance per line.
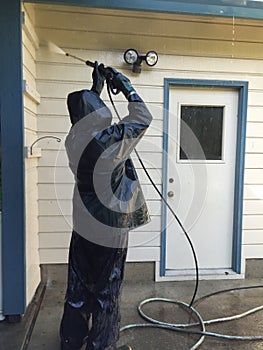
(168,206)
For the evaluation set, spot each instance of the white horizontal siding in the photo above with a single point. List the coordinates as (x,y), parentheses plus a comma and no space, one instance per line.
(50,240)
(253,222)
(253,188)
(254,145)
(253,251)
(254,161)
(143,254)
(174,34)
(250,237)
(31,174)
(53,255)
(253,176)
(255,112)
(222,46)
(30,122)
(253,191)
(253,207)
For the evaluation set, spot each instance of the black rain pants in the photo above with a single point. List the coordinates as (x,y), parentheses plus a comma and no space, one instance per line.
(91,310)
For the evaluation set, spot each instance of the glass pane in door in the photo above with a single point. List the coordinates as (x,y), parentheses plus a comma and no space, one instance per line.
(203,125)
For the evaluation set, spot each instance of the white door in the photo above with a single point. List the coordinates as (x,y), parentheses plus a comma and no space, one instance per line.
(200,178)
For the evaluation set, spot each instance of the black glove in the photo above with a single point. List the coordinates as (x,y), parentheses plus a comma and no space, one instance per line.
(98,79)
(123,84)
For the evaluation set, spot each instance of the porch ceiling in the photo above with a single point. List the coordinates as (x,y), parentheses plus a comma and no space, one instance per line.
(222,8)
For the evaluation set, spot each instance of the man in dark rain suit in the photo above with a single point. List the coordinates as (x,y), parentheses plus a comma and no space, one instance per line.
(107,203)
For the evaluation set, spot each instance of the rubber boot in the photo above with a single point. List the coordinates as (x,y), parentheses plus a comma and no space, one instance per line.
(73,328)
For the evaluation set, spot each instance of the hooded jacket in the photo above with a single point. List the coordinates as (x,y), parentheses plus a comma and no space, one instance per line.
(107,196)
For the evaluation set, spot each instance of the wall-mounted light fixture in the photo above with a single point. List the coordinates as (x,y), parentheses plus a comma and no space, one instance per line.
(131,56)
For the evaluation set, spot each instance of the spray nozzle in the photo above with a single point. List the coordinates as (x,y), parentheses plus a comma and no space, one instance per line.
(76,57)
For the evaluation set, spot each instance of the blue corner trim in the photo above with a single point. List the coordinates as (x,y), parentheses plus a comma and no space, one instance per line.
(239,177)
(242,87)
(253,9)
(164,176)
(12,135)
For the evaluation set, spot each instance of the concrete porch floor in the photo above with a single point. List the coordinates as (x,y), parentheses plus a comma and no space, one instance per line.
(38,330)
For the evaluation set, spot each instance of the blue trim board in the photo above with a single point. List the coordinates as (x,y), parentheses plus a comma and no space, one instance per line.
(239,176)
(253,9)
(12,134)
(164,176)
(242,87)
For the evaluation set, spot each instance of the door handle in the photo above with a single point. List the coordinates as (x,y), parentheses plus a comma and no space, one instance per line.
(170,194)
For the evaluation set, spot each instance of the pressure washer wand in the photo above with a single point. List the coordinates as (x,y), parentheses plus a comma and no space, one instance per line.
(88,63)
(104,70)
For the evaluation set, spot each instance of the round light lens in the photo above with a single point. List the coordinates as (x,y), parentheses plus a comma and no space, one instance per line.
(130,56)
(151,58)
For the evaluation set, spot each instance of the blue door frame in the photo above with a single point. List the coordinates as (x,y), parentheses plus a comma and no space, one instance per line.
(242,87)
(12,135)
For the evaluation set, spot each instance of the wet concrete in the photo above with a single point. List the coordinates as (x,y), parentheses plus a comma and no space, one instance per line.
(214,307)
(45,331)
(14,334)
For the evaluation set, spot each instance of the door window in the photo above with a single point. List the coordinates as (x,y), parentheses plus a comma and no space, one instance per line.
(202,125)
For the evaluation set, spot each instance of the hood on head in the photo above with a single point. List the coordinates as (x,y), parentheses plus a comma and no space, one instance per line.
(85,102)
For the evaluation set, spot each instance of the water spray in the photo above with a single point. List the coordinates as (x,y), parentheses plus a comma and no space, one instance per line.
(58,50)
(108,72)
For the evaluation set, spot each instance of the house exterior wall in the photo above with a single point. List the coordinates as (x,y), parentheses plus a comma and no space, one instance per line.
(31,100)
(189,47)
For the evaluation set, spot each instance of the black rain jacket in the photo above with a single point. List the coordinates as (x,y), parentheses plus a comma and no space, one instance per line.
(108,198)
